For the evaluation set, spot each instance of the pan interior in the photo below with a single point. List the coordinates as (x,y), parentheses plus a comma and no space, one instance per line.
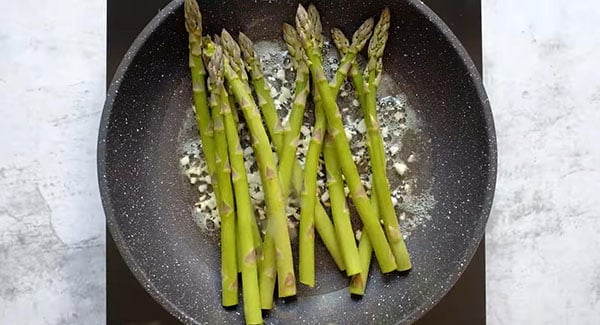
(148,203)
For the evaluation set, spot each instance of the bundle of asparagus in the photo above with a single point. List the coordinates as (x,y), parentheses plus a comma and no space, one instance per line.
(234,79)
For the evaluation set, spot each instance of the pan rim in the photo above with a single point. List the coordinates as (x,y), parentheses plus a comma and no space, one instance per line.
(141,275)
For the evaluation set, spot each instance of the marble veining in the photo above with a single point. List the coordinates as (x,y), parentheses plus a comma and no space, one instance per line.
(541,72)
(52,76)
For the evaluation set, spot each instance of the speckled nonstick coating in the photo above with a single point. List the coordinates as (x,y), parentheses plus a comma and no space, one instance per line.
(148,204)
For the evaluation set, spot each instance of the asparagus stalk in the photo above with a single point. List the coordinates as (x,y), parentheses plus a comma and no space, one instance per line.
(339,209)
(289,142)
(289,169)
(309,193)
(261,88)
(343,46)
(309,197)
(248,266)
(267,263)
(193,25)
(321,220)
(349,170)
(358,283)
(376,147)
(307,212)
(277,224)
(291,136)
(229,284)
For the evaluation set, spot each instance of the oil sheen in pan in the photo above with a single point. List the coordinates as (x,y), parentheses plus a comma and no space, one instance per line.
(407,146)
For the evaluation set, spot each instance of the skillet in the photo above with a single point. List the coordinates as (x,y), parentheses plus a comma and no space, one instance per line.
(147,203)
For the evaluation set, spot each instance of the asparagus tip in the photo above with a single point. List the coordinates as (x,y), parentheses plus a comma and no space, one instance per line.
(340,40)
(362,34)
(230,46)
(292,40)
(315,18)
(380,35)
(193,17)
(215,65)
(246,46)
(303,24)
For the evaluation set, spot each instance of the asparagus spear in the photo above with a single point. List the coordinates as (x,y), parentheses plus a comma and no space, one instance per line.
(287,157)
(277,225)
(289,169)
(261,88)
(309,197)
(286,144)
(358,194)
(252,311)
(343,46)
(229,284)
(358,282)
(307,213)
(339,209)
(267,264)
(193,25)
(376,148)
(309,193)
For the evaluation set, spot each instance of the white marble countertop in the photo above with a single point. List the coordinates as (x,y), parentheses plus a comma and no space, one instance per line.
(541,71)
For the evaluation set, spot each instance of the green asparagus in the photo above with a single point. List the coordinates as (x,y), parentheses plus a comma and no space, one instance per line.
(376,148)
(309,197)
(277,224)
(336,127)
(244,209)
(226,205)
(339,210)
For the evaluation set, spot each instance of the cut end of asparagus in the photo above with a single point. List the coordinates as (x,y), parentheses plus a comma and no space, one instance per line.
(362,34)
(340,40)
(193,17)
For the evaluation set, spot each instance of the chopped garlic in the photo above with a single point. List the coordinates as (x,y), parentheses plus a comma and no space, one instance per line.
(358,234)
(400,168)
(348,134)
(280,74)
(394,149)
(361,126)
(412,158)
(184,161)
(398,115)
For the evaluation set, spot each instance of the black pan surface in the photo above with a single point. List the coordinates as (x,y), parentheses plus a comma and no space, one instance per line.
(148,203)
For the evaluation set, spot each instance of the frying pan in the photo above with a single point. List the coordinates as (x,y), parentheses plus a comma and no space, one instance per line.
(148,204)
